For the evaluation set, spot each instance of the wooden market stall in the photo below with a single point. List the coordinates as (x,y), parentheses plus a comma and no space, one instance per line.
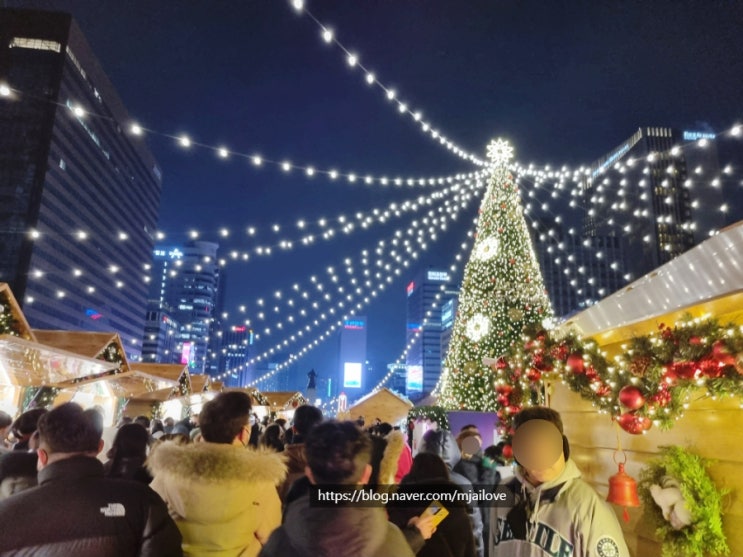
(383,404)
(169,401)
(283,403)
(104,346)
(31,368)
(706,281)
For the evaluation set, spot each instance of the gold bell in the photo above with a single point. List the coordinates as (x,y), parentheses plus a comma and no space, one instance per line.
(623,491)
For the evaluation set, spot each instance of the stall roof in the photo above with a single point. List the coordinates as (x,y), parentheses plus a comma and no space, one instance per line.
(24,330)
(171,372)
(282,399)
(127,384)
(160,395)
(25,363)
(383,404)
(707,280)
(199,383)
(86,343)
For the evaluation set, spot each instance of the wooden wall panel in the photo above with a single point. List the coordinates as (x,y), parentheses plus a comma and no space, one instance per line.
(711,428)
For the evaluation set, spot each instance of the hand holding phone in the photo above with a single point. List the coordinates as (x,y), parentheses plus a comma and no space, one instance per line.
(437,511)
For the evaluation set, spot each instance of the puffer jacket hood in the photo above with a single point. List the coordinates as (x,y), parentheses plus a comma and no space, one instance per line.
(392,452)
(223,497)
(443,444)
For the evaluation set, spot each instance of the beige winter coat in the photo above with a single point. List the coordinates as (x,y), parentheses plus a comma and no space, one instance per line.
(223,497)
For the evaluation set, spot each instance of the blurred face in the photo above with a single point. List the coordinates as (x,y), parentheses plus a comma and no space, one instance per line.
(537,446)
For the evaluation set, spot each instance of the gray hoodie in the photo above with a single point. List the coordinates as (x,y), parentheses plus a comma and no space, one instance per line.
(561,518)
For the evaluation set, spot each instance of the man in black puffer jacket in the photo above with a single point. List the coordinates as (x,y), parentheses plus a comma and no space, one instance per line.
(443,444)
(75,510)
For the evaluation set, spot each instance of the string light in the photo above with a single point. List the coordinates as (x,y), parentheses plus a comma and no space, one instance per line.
(395,209)
(464,246)
(353,60)
(424,239)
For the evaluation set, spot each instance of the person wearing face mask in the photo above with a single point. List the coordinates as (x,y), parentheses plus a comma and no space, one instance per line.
(222,495)
(556,512)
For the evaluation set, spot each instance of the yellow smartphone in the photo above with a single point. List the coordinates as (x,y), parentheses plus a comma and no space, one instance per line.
(438,511)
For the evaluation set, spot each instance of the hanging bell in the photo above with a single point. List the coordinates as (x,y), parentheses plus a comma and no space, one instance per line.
(623,491)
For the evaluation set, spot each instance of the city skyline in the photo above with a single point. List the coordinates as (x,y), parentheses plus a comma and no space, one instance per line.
(189,175)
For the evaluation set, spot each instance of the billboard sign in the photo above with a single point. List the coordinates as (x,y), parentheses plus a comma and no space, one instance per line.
(414,380)
(187,353)
(352,375)
(438,276)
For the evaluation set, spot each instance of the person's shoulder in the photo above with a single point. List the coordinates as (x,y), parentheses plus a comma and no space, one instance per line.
(394,543)
(128,489)
(583,499)
(278,544)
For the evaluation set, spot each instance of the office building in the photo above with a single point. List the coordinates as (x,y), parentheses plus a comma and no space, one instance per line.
(425,294)
(653,192)
(352,377)
(578,270)
(234,353)
(448,313)
(397,382)
(79,194)
(160,341)
(187,279)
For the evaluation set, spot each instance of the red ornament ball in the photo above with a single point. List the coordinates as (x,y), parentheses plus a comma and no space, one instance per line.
(533,375)
(575,362)
(507,452)
(631,423)
(631,397)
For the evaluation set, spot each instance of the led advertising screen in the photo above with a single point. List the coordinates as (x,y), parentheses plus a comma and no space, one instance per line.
(187,353)
(414,380)
(352,375)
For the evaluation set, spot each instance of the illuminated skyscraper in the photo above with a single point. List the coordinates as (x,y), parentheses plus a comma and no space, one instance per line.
(424,357)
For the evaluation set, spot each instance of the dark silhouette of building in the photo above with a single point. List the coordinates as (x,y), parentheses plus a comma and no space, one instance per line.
(79,194)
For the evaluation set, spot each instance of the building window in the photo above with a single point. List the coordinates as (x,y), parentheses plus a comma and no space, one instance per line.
(35,44)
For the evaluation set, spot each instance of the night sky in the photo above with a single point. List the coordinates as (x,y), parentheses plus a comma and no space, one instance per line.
(564,81)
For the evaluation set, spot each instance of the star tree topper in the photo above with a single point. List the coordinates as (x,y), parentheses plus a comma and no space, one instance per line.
(499,152)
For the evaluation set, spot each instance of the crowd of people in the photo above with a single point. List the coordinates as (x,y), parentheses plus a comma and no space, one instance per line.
(225,483)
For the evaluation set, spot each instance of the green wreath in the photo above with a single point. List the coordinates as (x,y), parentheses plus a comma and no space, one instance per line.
(691,526)
(434,413)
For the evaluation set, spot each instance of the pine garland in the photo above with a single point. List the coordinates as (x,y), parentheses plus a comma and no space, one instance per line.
(704,536)
(648,384)
(9,325)
(433,413)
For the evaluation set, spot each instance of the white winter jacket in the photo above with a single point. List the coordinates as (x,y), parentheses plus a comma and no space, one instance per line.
(561,518)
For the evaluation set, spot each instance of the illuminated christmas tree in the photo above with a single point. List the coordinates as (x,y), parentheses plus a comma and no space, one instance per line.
(502,293)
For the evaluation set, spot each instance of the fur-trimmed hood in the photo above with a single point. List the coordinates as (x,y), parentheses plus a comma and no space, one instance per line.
(391,457)
(214,462)
(223,497)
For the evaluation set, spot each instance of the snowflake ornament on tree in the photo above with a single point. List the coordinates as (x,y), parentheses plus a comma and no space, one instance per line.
(478,327)
(487,249)
(499,152)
